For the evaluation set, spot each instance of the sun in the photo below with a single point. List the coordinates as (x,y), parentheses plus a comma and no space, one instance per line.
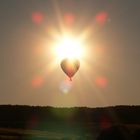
(69,47)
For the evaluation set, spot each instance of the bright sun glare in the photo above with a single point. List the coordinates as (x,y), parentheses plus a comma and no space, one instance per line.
(69,47)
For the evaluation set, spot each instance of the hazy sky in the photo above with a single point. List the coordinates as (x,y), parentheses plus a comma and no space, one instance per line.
(27,71)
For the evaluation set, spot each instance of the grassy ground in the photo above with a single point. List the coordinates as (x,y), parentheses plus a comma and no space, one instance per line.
(13,134)
(28,134)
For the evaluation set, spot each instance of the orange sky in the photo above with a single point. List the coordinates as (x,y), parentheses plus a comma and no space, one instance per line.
(29,72)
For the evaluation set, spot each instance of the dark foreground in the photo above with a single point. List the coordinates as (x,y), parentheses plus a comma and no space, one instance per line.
(47,123)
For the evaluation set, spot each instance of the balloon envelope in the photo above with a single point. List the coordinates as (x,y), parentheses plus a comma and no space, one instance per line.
(70,67)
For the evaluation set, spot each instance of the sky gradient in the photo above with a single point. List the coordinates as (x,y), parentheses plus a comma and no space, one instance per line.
(111,75)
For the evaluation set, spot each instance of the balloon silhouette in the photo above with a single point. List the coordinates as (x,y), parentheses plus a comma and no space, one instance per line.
(70,67)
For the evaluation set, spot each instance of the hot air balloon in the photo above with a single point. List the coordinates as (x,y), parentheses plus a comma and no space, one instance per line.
(70,67)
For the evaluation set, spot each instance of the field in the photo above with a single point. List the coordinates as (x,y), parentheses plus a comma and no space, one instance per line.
(48,123)
(26,134)
(55,131)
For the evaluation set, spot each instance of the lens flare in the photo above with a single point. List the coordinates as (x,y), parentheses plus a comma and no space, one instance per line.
(65,86)
(69,47)
(69,18)
(37,17)
(101,81)
(101,18)
(37,81)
